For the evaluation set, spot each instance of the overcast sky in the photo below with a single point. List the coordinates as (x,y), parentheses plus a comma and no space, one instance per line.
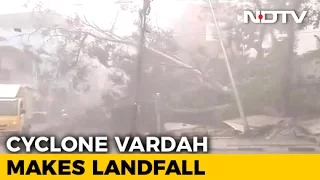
(103,12)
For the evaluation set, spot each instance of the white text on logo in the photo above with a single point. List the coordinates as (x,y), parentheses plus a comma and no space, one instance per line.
(260,16)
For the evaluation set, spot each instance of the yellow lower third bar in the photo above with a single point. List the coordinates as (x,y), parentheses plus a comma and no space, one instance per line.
(159,166)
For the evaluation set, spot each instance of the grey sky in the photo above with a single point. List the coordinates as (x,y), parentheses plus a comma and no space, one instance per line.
(103,12)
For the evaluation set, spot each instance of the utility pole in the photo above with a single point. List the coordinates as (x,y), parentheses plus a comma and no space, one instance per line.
(234,87)
(137,97)
(158,112)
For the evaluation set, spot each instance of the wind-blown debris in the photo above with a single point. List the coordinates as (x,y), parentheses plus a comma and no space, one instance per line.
(254,122)
(272,130)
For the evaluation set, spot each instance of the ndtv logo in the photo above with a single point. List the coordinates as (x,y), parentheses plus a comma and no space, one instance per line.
(260,16)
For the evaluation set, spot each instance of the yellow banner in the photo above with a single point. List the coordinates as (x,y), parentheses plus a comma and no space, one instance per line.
(169,166)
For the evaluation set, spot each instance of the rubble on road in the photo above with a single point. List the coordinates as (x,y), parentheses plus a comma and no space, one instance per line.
(182,129)
(262,128)
(255,122)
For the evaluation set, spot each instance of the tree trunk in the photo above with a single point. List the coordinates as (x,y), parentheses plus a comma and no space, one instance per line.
(287,76)
(288,66)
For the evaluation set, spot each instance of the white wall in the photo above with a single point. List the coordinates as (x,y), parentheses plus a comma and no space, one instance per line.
(306,41)
(98,77)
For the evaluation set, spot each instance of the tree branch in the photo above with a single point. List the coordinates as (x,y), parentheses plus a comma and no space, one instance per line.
(110,37)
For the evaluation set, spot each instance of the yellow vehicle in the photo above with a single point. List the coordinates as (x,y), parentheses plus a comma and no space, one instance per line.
(15,108)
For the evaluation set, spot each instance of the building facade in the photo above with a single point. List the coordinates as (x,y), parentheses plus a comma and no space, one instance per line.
(18,33)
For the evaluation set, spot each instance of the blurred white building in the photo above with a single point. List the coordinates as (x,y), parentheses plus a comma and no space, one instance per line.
(307,47)
(18,33)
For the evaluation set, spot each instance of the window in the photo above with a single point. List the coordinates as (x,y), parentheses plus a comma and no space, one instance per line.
(17,29)
(8,107)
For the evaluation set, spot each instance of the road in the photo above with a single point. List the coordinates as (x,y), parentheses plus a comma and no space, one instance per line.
(61,128)
(217,145)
